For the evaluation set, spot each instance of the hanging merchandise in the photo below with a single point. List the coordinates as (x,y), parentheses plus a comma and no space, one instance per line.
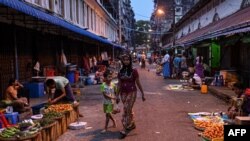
(63,59)
(104,56)
(37,68)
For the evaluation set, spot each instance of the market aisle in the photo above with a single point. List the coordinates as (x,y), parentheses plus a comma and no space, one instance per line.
(163,117)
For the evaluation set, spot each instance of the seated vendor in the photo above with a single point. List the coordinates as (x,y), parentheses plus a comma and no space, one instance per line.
(238,106)
(99,75)
(59,90)
(195,82)
(11,94)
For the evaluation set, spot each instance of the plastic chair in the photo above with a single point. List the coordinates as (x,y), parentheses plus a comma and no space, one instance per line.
(81,77)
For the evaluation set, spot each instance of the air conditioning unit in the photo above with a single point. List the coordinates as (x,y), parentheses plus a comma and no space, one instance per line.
(178,11)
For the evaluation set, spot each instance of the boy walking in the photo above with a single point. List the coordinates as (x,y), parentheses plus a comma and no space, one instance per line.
(108,90)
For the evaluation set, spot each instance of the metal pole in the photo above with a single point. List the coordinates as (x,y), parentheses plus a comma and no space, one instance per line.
(160,43)
(113,52)
(119,18)
(98,50)
(174,25)
(15,51)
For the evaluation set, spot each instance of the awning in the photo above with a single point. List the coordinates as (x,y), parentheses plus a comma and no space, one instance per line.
(235,23)
(118,46)
(42,15)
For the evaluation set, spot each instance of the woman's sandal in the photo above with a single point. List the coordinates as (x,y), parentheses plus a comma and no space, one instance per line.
(103,131)
(131,127)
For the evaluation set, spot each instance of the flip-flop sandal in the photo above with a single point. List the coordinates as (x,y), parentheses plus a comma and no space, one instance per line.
(103,131)
(131,127)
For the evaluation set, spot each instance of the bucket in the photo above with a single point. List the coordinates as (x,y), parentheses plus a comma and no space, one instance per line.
(204,89)
(50,72)
(71,76)
(89,81)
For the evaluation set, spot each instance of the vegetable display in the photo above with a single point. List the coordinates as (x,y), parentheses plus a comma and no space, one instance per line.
(215,131)
(59,108)
(23,129)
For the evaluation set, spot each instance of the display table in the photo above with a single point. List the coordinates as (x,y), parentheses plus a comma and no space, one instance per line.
(34,137)
(71,116)
(59,126)
(48,132)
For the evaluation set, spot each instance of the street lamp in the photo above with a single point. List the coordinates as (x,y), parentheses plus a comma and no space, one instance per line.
(160,12)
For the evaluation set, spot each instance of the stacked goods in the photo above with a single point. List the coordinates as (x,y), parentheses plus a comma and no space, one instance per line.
(215,131)
(59,108)
(230,77)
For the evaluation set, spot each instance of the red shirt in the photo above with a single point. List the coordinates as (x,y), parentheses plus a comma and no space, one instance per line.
(127,83)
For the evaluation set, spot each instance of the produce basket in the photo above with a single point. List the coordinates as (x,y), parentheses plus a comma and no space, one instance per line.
(199,128)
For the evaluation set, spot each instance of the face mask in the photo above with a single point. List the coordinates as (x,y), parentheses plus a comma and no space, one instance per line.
(53,90)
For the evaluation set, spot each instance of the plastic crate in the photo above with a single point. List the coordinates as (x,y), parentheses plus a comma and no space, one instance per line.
(12,118)
(36,89)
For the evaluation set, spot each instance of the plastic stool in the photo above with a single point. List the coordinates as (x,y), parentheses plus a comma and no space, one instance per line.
(13,118)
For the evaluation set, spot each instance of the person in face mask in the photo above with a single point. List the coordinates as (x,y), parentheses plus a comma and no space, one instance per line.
(59,91)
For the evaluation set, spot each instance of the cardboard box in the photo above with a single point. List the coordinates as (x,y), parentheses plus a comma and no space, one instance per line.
(242,120)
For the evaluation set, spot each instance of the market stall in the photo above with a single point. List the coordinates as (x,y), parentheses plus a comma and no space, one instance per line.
(47,126)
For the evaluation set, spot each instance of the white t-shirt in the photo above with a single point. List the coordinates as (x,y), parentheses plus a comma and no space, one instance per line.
(61,82)
(197,79)
(165,58)
(198,59)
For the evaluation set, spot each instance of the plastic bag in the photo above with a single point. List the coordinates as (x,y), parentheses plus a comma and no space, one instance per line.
(116,109)
(140,63)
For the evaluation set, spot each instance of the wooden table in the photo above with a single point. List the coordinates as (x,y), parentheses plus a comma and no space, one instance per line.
(48,132)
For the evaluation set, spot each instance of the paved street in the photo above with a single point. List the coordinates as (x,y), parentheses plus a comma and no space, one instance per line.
(162,117)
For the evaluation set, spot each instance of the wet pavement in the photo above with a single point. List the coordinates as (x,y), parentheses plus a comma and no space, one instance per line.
(162,117)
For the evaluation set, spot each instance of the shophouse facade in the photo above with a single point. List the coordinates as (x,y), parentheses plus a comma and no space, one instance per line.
(217,30)
(40,30)
(126,23)
(172,12)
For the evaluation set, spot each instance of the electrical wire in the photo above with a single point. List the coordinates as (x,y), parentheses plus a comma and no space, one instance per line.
(146,32)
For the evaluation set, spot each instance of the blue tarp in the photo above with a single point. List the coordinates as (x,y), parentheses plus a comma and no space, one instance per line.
(42,15)
(118,46)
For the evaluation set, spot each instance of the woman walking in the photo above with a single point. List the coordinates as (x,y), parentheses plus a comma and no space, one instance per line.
(128,78)
(166,66)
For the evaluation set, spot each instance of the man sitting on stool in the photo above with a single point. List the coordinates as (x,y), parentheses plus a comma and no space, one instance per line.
(11,94)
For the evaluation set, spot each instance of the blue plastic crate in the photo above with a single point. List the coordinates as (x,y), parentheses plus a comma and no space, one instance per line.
(12,118)
(36,89)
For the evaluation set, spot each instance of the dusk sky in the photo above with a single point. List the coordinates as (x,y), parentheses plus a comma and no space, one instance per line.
(142,9)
